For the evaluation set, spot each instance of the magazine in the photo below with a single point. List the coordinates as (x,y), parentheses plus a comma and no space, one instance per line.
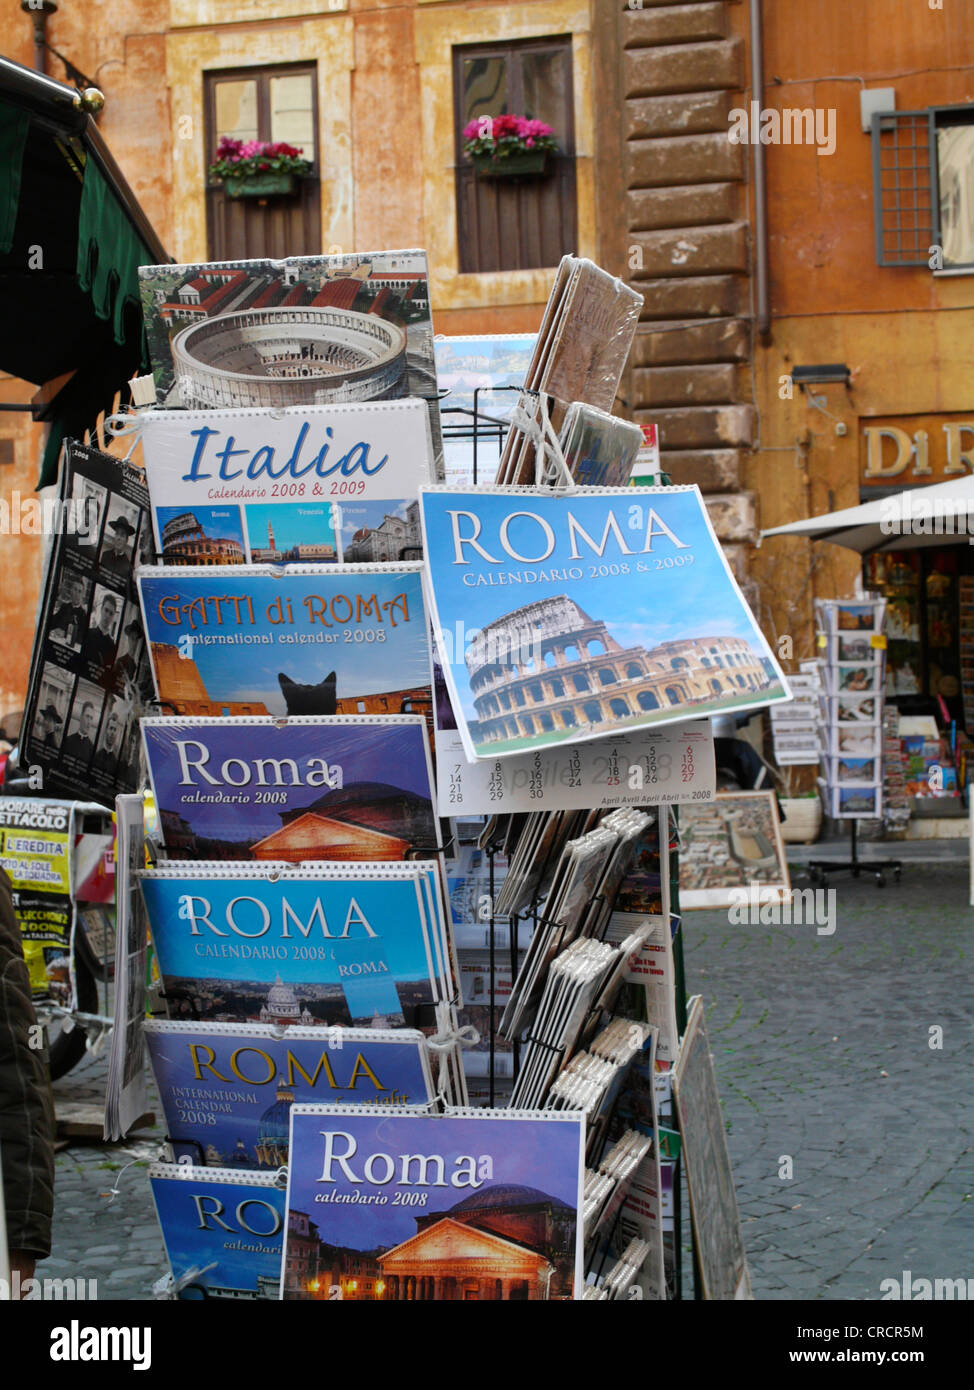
(468,1205)
(226,1089)
(300,484)
(347,640)
(295,789)
(349,946)
(89,669)
(125,1090)
(311,330)
(38,851)
(586,614)
(224,1231)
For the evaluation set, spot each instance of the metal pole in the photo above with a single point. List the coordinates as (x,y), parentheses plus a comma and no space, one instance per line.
(761,269)
(38,10)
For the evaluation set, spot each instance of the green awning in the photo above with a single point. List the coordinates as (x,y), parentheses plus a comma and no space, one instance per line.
(71,240)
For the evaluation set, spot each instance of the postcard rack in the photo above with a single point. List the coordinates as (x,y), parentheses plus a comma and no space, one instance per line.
(477,426)
(533,914)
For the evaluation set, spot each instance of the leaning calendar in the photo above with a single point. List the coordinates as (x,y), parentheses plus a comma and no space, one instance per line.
(565,617)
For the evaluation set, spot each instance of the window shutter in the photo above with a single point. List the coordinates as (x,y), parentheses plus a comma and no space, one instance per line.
(904,187)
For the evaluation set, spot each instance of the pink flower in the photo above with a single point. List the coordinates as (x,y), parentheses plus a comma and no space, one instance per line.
(506,126)
(530,142)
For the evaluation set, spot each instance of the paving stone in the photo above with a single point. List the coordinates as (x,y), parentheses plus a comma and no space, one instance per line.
(774,1005)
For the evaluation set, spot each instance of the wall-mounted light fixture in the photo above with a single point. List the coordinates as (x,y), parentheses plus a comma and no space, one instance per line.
(821,373)
(39,11)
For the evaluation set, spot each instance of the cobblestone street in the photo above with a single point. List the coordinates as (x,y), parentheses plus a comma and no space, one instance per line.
(821,1045)
(822,1051)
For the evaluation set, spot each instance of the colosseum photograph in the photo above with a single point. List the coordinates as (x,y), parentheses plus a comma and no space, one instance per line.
(310,330)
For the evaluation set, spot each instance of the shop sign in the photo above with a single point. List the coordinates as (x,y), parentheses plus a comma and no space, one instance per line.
(915,450)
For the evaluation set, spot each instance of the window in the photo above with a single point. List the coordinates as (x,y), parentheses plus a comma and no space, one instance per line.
(515,223)
(278,103)
(923,187)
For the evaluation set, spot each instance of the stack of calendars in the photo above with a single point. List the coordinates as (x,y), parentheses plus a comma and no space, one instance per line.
(296,903)
(795,726)
(313,755)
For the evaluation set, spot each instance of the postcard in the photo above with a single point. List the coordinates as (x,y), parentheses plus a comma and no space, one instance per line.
(226,1089)
(349,946)
(732,843)
(343,788)
(856,802)
(855,740)
(855,709)
(89,670)
(468,1205)
(224,1230)
(312,641)
(565,617)
(475,372)
(599,449)
(301,484)
(854,677)
(855,770)
(309,330)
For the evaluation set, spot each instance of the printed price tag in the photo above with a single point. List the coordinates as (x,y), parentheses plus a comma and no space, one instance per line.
(878,640)
(822,641)
(675,764)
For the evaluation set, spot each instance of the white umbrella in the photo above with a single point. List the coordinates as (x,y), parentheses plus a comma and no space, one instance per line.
(939,515)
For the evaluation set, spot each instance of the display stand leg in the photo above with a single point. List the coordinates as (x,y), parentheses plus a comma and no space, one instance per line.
(819,869)
(492,933)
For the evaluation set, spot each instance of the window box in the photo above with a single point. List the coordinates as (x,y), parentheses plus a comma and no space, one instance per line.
(262,186)
(530,162)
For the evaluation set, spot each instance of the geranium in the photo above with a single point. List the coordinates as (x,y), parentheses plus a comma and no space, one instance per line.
(237,159)
(505,135)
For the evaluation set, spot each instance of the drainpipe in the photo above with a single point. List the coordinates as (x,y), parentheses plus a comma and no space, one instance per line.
(762,292)
(39,11)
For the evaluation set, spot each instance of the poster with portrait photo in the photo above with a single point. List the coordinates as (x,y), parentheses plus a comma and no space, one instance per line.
(56,689)
(89,498)
(85,626)
(69,619)
(131,656)
(118,539)
(98,649)
(83,724)
(112,735)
